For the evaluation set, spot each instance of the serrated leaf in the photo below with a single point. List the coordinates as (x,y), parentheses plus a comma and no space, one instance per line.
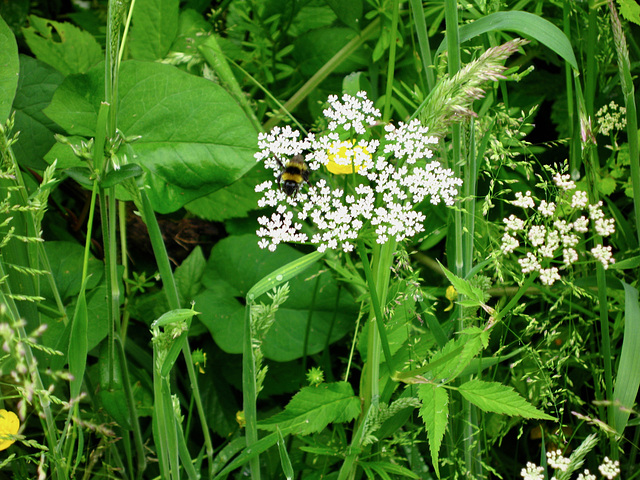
(498,398)
(630,10)
(464,287)
(434,413)
(76,51)
(313,408)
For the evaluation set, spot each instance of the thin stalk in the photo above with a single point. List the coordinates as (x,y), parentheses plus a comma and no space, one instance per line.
(628,91)
(391,66)
(171,291)
(453,47)
(249,391)
(423,40)
(324,72)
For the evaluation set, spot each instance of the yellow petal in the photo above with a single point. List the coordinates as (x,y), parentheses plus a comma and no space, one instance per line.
(9,425)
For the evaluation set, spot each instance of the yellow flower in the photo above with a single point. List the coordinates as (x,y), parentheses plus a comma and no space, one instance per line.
(9,425)
(451,295)
(346,160)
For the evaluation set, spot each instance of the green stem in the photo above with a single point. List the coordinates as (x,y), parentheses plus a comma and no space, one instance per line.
(249,391)
(311,84)
(391,66)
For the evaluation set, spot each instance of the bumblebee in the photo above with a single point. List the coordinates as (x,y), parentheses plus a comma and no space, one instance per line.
(293,175)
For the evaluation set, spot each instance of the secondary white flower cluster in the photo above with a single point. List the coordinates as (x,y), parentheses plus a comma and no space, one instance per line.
(556,461)
(555,229)
(611,118)
(379,186)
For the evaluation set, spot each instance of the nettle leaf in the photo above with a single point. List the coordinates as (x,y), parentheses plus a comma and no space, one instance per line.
(71,51)
(193,138)
(464,287)
(473,341)
(435,413)
(313,408)
(498,398)
(236,264)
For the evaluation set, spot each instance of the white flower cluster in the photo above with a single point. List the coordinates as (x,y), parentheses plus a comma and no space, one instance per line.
(557,461)
(608,469)
(555,235)
(380,186)
(611,118)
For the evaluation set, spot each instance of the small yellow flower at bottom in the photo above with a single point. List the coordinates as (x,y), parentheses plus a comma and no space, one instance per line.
(9,425)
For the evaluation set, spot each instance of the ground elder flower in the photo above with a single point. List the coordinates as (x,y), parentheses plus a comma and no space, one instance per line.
(557,461)
(532,472)
(384,181)
(609,469)
(611,118)
(551,237)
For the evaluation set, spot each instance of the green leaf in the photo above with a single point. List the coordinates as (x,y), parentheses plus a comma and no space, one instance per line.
(310,58)
(524,23)
(285,461)
(115,177)
(628,375)
(189,275)
(313,408)
(174,316)
(233,201)
(434,413)
(350,13)
(78,345)
(464,287)
(606,185)
(194,139)
(498,398)
(36,86)
(236,265)
(9,70)
(155,25)
(630,10)
(71,51)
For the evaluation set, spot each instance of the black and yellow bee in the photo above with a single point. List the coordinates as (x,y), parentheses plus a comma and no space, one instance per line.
(293,175)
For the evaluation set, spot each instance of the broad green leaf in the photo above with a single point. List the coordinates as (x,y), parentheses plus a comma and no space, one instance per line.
(350,13)
(38,81)
(189,275)
(498,398)
(524,23)
(194,139)
(155,25)
(434,413)
(628,375)
(70,51)
(236,265)
(112,394)
(8,71)
(233,201)
(313,408)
